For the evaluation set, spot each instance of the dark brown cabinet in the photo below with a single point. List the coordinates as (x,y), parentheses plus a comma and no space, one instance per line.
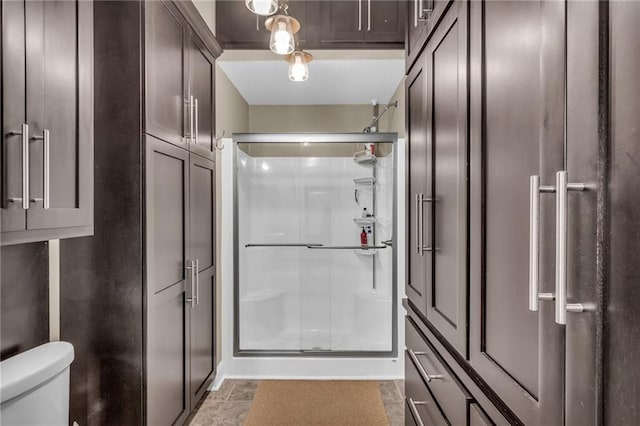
(352,24)
(144,285)
(421,19)
(419,172)
(357,21)
(438,171)
(179,81)
(47,120)
(180,245)
(170,282)
(202,205)
(503,215)
(238,28)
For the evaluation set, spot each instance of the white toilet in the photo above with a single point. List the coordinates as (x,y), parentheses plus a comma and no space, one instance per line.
(34,386)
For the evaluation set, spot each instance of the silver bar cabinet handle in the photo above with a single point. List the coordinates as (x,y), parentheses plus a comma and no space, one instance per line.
(428,377)
(192,299)
(415,13)
(196,271)
(24,132)
(47,169)
(25,166)
(423,248)
(418,244)
(191,118)
(562,189)
(257,23)
(368,15)
(534,243)
(196,127)
(414,410)
(359,15)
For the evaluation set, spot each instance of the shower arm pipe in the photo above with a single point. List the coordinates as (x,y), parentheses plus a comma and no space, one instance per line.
(376,119)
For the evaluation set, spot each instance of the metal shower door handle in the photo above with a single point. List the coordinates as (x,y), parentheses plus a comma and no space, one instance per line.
(534,242)
(562,190)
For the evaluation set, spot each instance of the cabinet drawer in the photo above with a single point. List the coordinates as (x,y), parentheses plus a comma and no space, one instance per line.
(477,416)
(421,408)
(451,396)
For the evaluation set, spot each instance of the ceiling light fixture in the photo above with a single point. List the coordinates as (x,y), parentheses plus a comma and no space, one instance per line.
(298,68)
(262,7)
(282,27)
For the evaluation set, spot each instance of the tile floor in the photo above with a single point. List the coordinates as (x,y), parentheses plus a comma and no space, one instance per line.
(229,405)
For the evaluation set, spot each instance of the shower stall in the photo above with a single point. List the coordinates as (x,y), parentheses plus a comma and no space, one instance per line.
(314,245)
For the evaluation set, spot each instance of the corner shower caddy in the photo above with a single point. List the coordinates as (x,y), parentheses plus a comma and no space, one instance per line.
(366,158)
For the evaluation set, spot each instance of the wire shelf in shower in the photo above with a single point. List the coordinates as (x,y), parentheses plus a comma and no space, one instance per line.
(364,221)
(365,182)
(364,157)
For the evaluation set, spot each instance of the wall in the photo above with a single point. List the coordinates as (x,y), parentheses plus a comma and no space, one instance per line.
(325,118)
(232,116)
(207,9)
(24,298)
(309,118)
(393,120)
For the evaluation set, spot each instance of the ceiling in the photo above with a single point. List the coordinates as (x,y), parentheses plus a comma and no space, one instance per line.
(335,77)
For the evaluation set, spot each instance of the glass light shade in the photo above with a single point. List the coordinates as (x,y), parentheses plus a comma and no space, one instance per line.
(298,68)
(262,7)
(282,41)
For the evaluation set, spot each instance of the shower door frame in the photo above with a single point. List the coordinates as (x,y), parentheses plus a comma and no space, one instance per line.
(364,138)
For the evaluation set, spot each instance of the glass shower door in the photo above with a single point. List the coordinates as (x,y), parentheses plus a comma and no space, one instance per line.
(304,283)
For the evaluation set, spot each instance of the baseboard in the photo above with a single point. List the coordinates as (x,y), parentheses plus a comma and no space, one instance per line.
(218,379)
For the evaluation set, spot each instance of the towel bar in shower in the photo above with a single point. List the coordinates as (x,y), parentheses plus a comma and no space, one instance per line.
(284,245)
(322,247)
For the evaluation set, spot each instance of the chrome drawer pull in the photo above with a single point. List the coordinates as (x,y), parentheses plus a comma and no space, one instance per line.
(428,377)
(414,410)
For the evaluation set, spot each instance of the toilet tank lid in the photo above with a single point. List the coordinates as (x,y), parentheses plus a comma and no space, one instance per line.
(29,369)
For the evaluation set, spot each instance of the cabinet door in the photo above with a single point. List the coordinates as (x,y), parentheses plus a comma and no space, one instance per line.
(168,284)
(583,125)
(202,314)
(385,21)
(342,21)
(416,32)
(237,27)
(519,353)
(166,74)
(60,113)
(446,54)
(201,78)
(13,114)
(419,172)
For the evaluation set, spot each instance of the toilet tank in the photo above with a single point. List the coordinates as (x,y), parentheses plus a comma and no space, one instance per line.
(34,386)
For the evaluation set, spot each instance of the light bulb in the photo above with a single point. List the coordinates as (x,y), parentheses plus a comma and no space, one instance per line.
(282,37)
(298,69)
(262,7)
